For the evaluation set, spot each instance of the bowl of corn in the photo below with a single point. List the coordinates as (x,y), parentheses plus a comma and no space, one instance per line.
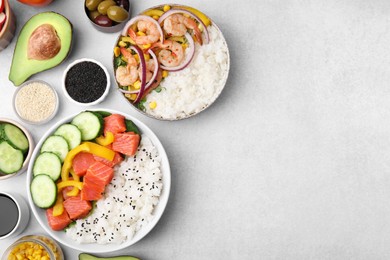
(34,247)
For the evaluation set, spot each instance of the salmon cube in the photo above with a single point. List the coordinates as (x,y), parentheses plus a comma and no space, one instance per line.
(76,207)
(114,123)
(59,222)
(126,143)
(81,163)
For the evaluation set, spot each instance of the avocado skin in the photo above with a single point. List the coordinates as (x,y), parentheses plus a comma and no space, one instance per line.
(84,256)
(22,67)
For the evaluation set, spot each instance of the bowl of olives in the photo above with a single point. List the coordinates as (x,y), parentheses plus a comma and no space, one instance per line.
(107,15)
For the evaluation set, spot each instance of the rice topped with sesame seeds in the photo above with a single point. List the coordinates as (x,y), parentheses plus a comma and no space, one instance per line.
(128,201)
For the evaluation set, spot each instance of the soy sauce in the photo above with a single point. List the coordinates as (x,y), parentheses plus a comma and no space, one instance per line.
(9,215)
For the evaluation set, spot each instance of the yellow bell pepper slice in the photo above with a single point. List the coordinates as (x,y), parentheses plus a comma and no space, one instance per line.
(198,13)
(153,12)
(89,147)
(105,140)
(58,208)
(75,191)
(63,184)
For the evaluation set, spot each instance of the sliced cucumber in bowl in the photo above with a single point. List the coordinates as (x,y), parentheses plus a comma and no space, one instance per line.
(14,136)
(56,144)
(48,163)
(11,159)
(43,191)
(90,124)
(71,133)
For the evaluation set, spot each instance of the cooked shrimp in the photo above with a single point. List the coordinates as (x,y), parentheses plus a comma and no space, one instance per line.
(172,53)
(149,70)
(177,25)
(126,75)
(150,30)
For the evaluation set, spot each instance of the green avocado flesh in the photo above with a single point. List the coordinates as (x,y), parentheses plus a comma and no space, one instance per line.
(85,256)
(22,67)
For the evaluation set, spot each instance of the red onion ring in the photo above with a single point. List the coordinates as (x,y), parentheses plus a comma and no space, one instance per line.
(154,84)
(143,72)
(156,67)
(188,58)
(142,17)
(182,11)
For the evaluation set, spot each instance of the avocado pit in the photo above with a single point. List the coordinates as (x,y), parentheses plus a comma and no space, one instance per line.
(44,43)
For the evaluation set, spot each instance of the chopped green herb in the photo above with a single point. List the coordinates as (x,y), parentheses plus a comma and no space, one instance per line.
(119,62)
(141,104)
(158,89)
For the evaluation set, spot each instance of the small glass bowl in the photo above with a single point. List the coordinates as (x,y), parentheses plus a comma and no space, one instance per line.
(101,98)
(30,148)
(47,245)
(18,110)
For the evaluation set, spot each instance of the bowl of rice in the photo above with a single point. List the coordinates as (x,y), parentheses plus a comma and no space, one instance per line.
(185,63)
(132,202)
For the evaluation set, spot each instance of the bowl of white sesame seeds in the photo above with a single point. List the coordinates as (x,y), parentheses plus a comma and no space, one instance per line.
(35,102)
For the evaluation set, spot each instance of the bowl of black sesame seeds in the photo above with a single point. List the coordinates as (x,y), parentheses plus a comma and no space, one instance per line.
(86,82)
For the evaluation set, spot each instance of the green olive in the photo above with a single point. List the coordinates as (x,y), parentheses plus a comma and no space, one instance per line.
(117,13)
(93,15)
(92,4)
(103,6)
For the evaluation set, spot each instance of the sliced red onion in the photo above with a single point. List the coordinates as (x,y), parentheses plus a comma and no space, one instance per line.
(128,91)
(156,67)
(154,84)
(142,17)
(143,71)
(188,58)
(182,11)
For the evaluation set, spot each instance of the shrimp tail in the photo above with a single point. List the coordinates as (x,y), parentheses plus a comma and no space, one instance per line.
(132,34)
(198,35)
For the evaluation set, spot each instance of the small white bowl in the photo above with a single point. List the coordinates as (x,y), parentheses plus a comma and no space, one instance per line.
(101,98)
(18,112)
(30,148)
(23,214)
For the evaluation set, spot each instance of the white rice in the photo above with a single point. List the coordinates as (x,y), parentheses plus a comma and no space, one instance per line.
(128,201)
(192,89)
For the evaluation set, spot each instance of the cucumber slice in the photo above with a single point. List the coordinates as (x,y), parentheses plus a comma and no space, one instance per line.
(56,144)
(131,127)
(48,163)
(71,134)
(90,124)
(15,137)
(43,191)
(11,159)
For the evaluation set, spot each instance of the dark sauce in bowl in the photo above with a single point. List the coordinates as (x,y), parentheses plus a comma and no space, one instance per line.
(9,215)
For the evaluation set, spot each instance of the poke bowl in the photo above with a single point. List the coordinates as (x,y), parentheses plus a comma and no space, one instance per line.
(171,62)
(98,181)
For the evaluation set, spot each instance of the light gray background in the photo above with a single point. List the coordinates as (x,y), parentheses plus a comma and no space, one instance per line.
(292,161)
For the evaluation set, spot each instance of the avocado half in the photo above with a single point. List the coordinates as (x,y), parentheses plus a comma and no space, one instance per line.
(22,66)
(84,256)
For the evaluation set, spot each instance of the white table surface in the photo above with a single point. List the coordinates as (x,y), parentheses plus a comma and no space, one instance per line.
(292,161)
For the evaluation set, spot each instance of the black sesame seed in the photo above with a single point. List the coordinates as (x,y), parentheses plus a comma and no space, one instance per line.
(85,82)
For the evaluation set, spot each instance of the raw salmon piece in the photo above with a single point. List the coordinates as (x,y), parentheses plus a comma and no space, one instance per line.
(126,143)
(114,123)
(117,159)
(100,171)
(95,180)
(81,163)
(76,207)
(57,223)
(91,190)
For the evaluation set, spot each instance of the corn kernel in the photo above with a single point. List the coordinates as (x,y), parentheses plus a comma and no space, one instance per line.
(136,57)
(165,73)
(153,105)
(139,33)
(131,96)
(137,84)
(124,58)
(45,258)
(156,17)
(166,8)
(122,44)
(147,57)
(117,51)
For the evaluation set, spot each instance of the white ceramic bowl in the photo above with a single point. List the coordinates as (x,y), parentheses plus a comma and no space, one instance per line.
(102,97)
(18,113)
(61,237)
(23,214)
(213,98)
(30,149)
